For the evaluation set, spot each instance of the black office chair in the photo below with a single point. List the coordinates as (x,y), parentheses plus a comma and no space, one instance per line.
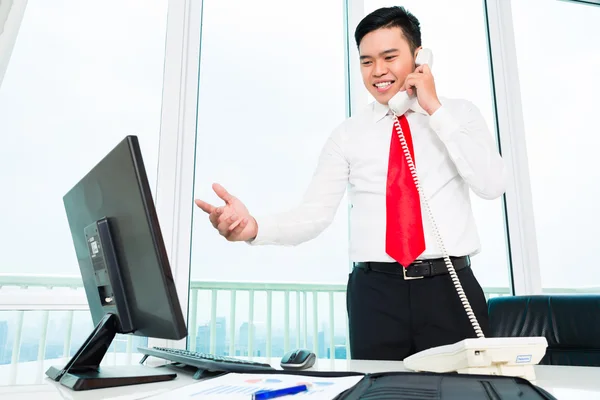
(570,323)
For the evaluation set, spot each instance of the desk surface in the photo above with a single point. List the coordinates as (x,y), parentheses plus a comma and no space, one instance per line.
(26,381)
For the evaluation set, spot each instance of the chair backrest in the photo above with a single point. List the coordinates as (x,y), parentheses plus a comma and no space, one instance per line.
(570,323)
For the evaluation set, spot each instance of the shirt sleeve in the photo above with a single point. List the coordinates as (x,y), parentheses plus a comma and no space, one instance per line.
(472,148)
(319,204)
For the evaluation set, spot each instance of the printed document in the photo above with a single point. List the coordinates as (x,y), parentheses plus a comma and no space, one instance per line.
(242,386)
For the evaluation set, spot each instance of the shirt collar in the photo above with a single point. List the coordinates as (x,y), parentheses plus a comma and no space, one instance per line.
(381,110)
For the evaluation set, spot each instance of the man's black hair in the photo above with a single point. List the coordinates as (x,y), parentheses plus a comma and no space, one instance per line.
(390,17)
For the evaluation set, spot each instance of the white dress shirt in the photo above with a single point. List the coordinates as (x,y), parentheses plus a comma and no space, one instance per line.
(454,151)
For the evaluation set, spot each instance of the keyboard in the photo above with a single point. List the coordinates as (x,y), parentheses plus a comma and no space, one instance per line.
(204,362)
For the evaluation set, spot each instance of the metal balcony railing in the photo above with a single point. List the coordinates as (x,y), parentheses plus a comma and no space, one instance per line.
(48,294)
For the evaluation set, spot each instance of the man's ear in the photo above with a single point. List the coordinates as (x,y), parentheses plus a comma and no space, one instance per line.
(417,52)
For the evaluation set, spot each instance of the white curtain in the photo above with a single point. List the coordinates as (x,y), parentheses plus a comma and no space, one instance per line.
(11,15)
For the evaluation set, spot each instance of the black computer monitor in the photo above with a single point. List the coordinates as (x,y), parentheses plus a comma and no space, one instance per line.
(124,267)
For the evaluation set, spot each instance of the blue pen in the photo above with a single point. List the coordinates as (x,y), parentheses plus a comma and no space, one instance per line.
(271,394)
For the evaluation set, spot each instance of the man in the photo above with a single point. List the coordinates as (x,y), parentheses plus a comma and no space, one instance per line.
(392,238)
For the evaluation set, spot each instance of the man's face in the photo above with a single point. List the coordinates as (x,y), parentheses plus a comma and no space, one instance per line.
(385,60)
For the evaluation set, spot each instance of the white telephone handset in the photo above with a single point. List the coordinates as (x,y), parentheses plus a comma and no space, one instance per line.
(512,356)
(402,101)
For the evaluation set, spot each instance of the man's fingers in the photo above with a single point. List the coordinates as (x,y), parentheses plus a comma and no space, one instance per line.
(422,69)
(408,86)
(207,208)
(222,193)
(405,85)
(411,81)
(214,216)
(224,224)
(237,227)
(228,219)
(236,224)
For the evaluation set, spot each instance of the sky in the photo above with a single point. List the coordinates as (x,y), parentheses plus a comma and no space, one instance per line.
(83,75)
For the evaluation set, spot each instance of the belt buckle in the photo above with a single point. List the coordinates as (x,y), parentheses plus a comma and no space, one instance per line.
(410,278)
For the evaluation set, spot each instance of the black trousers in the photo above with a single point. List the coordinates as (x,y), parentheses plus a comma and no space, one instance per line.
(391,318)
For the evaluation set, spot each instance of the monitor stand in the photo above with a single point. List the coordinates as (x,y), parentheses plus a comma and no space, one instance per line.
(83,371)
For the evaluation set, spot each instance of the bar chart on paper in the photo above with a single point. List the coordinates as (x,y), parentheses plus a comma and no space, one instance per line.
(242,386)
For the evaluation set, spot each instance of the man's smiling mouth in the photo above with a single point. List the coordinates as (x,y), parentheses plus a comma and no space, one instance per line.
(383,85)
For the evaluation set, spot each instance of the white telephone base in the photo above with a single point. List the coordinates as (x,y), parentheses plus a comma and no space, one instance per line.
(484,356)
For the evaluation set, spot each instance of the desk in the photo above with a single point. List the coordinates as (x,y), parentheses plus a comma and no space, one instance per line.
(28,382)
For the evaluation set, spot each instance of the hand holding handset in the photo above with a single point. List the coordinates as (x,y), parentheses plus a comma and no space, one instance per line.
(402,101)
(495,356)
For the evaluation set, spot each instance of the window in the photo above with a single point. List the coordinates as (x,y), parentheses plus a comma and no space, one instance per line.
(461,70)
(82,76)
(272,88)
(558,57)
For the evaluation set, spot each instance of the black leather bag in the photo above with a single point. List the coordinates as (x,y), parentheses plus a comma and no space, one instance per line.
(430,386)
(425,386)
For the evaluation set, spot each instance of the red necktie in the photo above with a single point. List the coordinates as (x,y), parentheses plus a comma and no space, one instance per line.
(405,240)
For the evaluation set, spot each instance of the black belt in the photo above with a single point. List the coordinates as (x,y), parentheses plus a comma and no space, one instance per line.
(418,269)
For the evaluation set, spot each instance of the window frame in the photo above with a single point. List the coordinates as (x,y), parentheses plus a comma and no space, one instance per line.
(510,128)
(11,16)
(176,154)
